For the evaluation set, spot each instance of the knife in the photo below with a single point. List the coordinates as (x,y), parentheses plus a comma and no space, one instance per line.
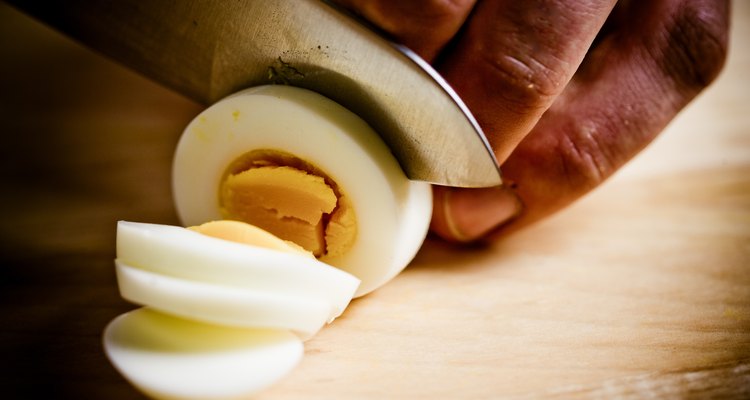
(207,50)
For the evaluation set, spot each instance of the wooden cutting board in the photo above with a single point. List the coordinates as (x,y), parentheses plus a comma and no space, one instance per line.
(640,290)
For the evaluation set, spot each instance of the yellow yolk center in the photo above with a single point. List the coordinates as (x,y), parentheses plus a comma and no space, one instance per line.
(289,198)
(240,232)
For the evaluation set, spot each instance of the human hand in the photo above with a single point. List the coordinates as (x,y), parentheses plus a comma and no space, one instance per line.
(566,91)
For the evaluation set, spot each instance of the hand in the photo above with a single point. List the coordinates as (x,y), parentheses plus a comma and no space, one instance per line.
(566,91)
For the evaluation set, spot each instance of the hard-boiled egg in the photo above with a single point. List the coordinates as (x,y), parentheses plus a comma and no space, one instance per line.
(223,298)
(174,358)
(280,153)
(177,252)
(223,305)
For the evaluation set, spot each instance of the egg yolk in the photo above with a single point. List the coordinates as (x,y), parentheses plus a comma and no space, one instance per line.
(240,232)
(290,198)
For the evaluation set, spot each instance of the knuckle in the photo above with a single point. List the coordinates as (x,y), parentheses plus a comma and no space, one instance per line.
(585,159)
(696,47)
(525,83)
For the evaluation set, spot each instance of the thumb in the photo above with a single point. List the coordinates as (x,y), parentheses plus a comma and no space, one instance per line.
(465,215)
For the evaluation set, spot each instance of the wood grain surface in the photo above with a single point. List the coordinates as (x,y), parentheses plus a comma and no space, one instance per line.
(640,290)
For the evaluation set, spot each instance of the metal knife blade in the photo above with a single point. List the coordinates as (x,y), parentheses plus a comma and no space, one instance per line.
(208,50)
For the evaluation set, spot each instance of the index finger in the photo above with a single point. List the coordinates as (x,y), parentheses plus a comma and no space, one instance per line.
(514,58)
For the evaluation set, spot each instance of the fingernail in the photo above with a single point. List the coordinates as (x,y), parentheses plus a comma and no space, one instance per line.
(472,213)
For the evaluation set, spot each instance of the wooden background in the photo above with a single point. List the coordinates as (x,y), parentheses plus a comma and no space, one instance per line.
(640,290)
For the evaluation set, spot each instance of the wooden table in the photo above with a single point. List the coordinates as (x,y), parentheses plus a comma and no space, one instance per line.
(640,290)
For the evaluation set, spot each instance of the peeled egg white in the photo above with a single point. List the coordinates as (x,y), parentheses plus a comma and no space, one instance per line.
(181,253)
(173,358)
(393,213)
(222,305)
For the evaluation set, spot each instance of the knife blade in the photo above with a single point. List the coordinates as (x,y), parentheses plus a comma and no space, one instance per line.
(207,50)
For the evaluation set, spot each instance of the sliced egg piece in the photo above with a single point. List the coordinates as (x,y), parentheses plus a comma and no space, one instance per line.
(177,252)
(222,305)
(173,358)
(298,164)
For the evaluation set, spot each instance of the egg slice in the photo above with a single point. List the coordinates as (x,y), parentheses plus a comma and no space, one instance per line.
(222,305)
(225,314)
(173,358)
(294,162)
(182,253)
